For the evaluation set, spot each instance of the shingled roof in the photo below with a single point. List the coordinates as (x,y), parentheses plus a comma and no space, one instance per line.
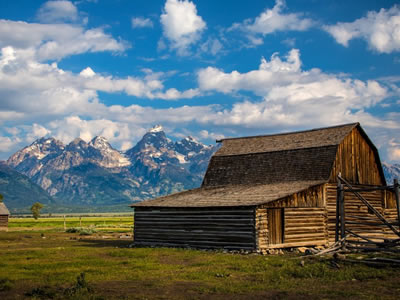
(3,209)
(267,159)
(255,170)
(228,196)
(321,137)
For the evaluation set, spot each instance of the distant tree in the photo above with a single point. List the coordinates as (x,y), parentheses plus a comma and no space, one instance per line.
(35,209)
(1,198)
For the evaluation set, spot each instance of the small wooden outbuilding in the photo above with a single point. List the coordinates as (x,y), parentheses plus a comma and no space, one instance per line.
(272,191)
(4,214)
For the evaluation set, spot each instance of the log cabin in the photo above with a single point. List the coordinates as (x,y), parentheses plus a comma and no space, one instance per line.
(270,191)
(4,214)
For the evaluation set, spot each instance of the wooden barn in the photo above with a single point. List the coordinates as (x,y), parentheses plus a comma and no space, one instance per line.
(272,191)
(4,214)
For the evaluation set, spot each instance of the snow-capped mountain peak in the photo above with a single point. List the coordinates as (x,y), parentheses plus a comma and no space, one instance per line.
(100,142)
(39,149)
(95,172)
(156,128)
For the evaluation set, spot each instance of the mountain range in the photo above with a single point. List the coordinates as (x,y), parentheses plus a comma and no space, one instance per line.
(391,172)
(95,174)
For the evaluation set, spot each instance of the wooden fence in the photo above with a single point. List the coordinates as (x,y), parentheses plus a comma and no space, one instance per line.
(361,223)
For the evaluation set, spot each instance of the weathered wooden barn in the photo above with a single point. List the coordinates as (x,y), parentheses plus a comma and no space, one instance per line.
(271,191)
(4,214)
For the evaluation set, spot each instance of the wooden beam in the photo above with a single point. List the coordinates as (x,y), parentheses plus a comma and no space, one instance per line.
(396,193)
(337,211)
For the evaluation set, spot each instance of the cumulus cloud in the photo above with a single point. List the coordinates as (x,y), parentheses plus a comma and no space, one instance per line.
(8,143)
(140,22)
(380,29)
(55,41)
(57,12)
(205,134)
(28,86)
(272,20)
(292,96)
(182,26)
(212,46)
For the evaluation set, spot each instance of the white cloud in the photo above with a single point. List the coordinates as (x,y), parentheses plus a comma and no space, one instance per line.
(8,143)
(181,24)
(140,22)
(204,134)
(30,89)
(212,46)
(394,154)
(291,96)
(57,12)
(272,20)
(55,41)
(380,29)
(394,149)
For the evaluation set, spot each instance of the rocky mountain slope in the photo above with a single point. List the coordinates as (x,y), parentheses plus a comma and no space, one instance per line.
(18,190)
(94,173)
(391,172)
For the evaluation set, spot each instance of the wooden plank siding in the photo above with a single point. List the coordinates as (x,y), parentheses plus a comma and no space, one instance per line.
(301,227)
(390,200)
(356,161)
(3,221)
(230,228)
(311,197)
(355,208)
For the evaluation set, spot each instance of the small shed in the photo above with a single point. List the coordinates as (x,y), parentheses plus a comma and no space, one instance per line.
(4,214)
(271,191)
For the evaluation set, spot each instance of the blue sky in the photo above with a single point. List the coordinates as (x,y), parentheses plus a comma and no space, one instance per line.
(209,69)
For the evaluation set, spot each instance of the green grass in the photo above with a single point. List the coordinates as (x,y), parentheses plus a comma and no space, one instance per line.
(107,224)
(42,265)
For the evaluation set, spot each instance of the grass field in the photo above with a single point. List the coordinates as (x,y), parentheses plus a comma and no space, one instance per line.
(41,261)
(105,223)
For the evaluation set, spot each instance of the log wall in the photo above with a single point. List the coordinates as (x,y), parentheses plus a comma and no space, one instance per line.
(355,210)
(3,221)
(356,161)
(230,228)
(302,227)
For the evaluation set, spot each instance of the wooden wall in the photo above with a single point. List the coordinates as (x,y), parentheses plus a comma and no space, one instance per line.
(305,220)
(3,221)
(301,227)
(354,207)
(390,200)
(231,228)
(312,197)
(356,161)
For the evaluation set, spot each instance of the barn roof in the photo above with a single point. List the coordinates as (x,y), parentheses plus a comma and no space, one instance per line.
(321,137)
(255,170)
(233,195)
(3,209)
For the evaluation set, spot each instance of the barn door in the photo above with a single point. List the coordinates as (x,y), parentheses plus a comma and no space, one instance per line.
(276,225)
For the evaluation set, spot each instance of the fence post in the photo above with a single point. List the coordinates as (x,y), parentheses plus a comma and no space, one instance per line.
(337,210)
(396,193)
(342,212)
